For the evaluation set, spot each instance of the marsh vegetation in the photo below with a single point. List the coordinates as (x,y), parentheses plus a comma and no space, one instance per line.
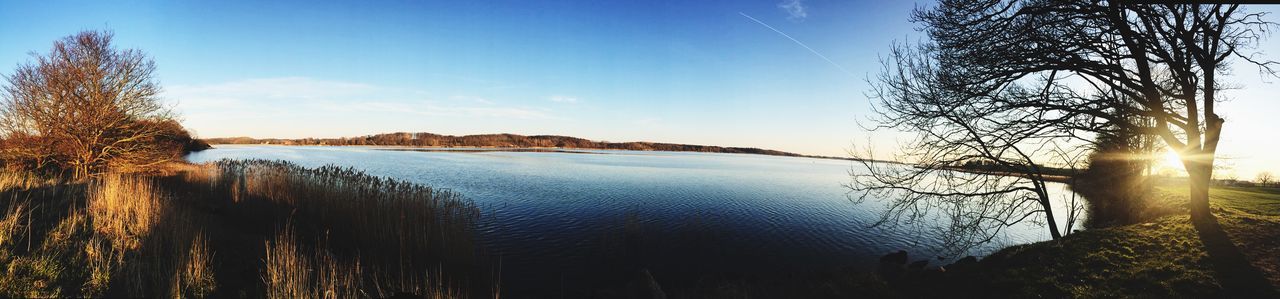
(237,228)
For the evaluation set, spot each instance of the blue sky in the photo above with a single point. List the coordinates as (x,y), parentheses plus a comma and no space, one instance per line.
(701,72)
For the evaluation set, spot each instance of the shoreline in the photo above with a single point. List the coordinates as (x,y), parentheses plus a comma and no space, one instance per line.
(547,149)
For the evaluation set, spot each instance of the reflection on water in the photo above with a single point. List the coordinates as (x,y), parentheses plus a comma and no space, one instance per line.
(560,218)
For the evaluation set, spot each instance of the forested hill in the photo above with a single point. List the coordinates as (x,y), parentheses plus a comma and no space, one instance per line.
(499,140)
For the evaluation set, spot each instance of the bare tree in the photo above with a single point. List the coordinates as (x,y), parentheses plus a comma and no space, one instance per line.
(973,166)
(1081,67)
(86,107)
(1265,178)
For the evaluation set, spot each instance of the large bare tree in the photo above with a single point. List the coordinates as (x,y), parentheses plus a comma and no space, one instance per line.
(1082,69)
(973,168)
(86,107)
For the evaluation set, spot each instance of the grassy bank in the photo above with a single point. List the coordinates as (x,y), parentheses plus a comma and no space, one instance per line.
(236,229)
(1168,256)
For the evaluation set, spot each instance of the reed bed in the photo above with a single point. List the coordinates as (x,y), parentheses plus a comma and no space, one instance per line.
(112,235)
(393,224)
(327,232)
(293,271)
(13,222)
(142,237)
(355,234)
(196,272)
(29,267)
(290,272)
(125,209)
(10,180)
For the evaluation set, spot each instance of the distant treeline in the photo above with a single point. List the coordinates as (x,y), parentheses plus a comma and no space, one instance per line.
(985,166)
(499,140)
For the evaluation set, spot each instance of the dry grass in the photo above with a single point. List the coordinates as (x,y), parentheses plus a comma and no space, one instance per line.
(114,235)
(151,242)
(12,224)
(100,261)
(10,180)
(293,271)
(371,236)
(338,233)
(125,209)
(290,272)
(395,226)
(195,276)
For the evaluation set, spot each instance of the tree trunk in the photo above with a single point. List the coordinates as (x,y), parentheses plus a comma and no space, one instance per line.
(1199,175)
(1049,219)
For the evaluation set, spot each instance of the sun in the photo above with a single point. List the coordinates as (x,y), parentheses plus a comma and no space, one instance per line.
(1171,159)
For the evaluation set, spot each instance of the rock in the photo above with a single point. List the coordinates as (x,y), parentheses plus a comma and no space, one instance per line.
(918,265)
(849,270)
(899,257)
(965,264)
(916,269)
(892,266)
(932,275)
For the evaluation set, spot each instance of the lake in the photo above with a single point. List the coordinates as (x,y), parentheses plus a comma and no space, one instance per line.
(567,220)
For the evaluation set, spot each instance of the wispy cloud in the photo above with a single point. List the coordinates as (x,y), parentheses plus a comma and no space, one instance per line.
(647,121)
(477,100)
(288,90)
(299,106)
(795,9)
(426,108)
(298,92)
(811,50)
(563,99)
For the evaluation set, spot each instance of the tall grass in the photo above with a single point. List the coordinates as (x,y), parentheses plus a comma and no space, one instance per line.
(27,269)
(327,232)
(10,180)
(152,243)
(196,272)
(394,225)
(12,224)
(113,235)
(125,209)
(290,272)
(293,271)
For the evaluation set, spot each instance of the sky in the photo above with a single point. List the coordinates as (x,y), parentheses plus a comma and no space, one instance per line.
(787,75)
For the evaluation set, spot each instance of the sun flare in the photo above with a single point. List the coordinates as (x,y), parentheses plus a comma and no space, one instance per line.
(1171,160)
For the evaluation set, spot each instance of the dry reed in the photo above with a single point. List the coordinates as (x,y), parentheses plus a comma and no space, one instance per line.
(397,226)
(290,272)
(10,180)
(151,242)
(195,274)
(13,223)
(125,209)
(345,234)
(373,236)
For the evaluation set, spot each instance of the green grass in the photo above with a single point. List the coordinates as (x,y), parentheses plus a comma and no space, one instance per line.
(1164,257)
(1160,258)
(1248,200)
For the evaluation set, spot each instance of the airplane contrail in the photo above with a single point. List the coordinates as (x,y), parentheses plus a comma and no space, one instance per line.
(815,52)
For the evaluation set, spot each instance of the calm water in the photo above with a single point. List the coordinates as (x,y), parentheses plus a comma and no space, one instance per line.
(562,219)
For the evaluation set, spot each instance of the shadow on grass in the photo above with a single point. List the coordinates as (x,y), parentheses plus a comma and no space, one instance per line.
(1238,277)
